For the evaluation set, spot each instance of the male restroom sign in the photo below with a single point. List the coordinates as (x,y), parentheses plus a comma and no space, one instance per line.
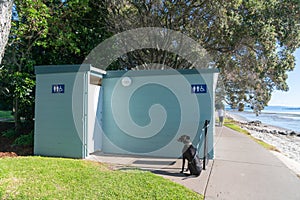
(58,88)
(199,88)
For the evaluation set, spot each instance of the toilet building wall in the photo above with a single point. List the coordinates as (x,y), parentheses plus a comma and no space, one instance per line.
(55,129)
(144,116)
(66,106)
(147,117)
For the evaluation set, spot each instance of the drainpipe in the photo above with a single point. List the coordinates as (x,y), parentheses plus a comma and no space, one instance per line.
(85,115)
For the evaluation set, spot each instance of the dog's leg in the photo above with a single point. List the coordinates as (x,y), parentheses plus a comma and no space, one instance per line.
(183,163)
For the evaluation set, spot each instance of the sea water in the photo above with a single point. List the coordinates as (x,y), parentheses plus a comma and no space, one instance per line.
(280,116)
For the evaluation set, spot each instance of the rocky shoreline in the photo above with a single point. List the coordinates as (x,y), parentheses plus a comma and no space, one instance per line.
(286,141)
(261,128)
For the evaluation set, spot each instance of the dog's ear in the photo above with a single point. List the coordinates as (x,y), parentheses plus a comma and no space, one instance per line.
(187,137)
(179,139)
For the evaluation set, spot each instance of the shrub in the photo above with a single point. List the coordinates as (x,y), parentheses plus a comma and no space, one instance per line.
(24,140)
(10,133)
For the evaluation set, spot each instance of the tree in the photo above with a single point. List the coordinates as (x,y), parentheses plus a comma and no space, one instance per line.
(5,16)
(42,33)
(18,96)
(251,42)
(74,29)
(29,25)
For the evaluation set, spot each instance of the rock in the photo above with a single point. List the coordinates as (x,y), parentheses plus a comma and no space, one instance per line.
(255,123)
(293,133)
(267,131)
(282,133)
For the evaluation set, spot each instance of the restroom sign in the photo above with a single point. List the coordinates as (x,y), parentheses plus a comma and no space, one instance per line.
(199,88)
(59,88)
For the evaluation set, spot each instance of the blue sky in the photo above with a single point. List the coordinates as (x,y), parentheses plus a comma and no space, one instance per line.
(292,97)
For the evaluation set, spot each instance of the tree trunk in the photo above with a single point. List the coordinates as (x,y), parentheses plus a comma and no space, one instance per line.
(17,117)
(5,23)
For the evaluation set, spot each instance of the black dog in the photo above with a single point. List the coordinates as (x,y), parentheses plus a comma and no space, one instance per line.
(189,152)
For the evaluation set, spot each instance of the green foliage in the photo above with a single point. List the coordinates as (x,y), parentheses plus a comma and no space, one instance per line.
(74,29)
(10,133)
(57,178)
(22,86)
(19,87)
(6,114)
(45,33)
(28,27)
(24,140)
(251,42)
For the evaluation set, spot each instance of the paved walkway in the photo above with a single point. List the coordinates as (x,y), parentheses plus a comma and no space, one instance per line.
(242,169)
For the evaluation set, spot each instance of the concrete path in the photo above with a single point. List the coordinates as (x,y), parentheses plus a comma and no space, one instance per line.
(242,169)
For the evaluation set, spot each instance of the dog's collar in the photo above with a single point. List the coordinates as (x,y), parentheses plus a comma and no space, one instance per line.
(188,144)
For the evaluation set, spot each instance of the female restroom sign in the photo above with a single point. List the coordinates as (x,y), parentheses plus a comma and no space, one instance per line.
(199,88)
(58,88)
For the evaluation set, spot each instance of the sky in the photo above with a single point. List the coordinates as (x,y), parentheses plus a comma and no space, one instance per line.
(292,97)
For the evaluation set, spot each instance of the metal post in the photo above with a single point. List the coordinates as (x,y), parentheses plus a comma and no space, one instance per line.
(205,157)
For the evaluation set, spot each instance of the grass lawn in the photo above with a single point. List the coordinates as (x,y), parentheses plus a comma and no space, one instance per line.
(58,178)
(6,115)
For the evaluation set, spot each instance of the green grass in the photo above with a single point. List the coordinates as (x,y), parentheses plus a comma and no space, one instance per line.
(237,128)
(57,178)
(234,126)
(6,114)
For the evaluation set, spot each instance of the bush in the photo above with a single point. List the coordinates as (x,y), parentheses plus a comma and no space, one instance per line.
(24,140)
(10,133)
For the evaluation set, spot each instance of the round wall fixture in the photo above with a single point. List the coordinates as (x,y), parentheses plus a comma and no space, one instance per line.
(126,81)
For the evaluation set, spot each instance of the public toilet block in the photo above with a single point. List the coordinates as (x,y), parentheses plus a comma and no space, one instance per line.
(146,111)
(65,115)
(81,110)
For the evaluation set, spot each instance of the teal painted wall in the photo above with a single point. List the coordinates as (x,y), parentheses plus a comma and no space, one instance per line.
(147,117)
(144,117)
(65,123)
(55,130)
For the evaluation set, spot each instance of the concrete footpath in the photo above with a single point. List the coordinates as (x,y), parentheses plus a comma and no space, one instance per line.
(242,169)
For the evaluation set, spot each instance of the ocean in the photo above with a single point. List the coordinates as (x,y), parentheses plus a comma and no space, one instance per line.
(280,116)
